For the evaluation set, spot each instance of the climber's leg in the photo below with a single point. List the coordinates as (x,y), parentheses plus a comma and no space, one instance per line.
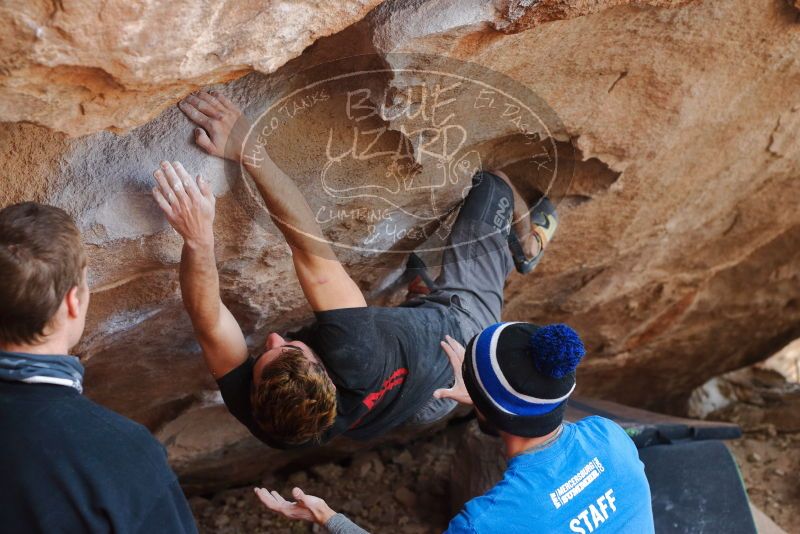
(532,229)
(527,240)
(475,264)
(522,223)
(477,261)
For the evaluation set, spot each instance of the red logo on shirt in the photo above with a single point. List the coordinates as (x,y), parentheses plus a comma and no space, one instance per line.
(396,378)
(372,400)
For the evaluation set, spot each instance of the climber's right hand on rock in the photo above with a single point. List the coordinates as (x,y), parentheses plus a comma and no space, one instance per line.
(187,202)
(222,128)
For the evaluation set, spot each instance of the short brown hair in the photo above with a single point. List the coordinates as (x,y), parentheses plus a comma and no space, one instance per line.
(41,259)
(295,400)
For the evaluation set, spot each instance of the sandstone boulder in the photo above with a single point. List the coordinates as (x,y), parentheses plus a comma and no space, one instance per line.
(764,396)
(80,67)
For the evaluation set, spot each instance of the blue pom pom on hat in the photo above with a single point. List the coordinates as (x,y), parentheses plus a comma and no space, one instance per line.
(557,350)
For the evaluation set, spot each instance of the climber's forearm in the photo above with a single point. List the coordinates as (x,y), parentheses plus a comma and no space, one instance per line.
(287,206)
(200,285)
(325,283)
(219,335)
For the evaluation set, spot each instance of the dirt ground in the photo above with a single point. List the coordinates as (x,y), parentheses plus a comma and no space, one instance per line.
(390,489)
(407,490)
(769,462)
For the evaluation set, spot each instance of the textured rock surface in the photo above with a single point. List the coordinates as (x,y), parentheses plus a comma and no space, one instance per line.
(523,14)
(81,67)
(756,397)
(679,250)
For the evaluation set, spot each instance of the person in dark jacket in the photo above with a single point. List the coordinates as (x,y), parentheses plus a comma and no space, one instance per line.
(67,465)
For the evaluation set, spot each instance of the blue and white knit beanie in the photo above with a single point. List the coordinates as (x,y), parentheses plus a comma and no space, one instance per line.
(520,375)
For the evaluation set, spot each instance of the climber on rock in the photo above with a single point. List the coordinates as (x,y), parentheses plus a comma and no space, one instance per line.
(358,370)
(560,477)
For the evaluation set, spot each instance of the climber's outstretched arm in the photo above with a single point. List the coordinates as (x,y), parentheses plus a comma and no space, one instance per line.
(188,204)
(223,133)
(325,282)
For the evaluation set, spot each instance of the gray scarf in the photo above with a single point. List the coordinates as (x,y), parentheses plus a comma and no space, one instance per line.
(41,369)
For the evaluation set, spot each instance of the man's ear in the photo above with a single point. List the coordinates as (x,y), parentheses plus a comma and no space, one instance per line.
(74,303)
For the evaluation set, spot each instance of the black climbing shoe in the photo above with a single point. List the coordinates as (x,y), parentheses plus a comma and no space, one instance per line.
(419,281)
(544,221)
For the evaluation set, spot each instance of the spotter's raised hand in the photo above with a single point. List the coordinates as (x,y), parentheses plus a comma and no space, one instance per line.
(458,392)
(305,507)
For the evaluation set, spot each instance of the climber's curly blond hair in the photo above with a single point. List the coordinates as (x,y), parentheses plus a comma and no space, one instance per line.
(295,400)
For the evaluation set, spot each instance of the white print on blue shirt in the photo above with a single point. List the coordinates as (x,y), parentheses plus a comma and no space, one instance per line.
(594,516)
(572,487)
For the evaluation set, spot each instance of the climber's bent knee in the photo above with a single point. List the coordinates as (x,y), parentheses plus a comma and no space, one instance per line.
(490,201)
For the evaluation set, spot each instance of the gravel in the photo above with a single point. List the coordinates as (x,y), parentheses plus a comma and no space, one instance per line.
(389,489)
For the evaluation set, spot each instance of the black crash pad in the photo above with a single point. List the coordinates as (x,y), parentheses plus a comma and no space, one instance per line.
(650,428)
(694,481)
(696,488)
